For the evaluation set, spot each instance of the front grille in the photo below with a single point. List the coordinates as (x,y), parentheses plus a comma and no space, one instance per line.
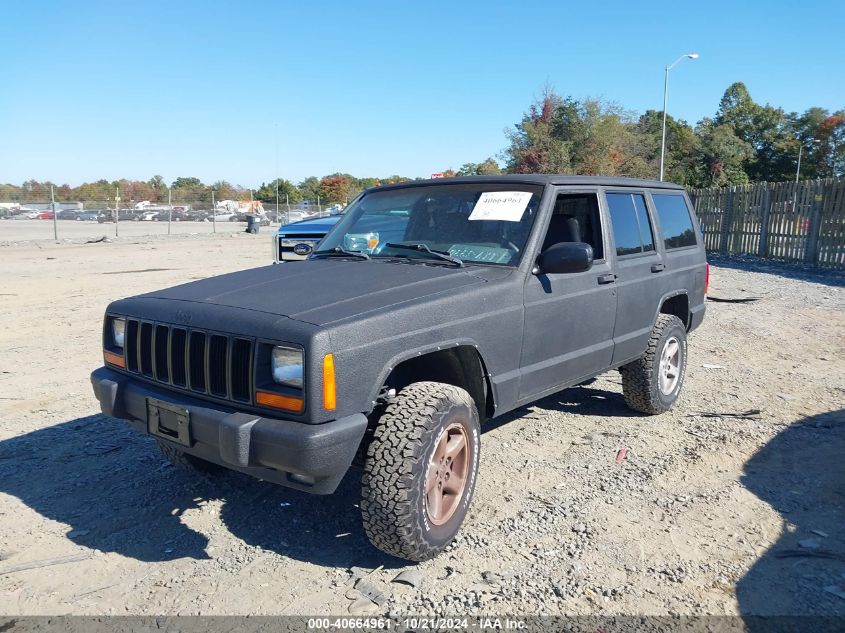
(287,244)
(194,360)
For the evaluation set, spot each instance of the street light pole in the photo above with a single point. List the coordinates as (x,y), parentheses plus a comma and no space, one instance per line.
(53,206)
(665,103)
(798,168)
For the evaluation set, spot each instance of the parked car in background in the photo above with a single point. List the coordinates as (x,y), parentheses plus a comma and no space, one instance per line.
(198,215)
(148,216)
(68,214)
(25,214)
(88,216)
(45,215)
(177,215)
(124,215)
(225,216)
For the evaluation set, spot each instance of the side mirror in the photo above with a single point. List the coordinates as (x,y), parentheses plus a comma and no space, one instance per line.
(566,257)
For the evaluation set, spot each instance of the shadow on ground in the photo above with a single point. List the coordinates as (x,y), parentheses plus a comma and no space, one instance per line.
(790,270)
(801,474)
(117,494)
(586,400)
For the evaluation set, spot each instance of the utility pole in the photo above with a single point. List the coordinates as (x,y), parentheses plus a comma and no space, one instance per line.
(213,213)
(116,209)
(287,206)
(169,210)
(277,172)
(319,208)
(55,223)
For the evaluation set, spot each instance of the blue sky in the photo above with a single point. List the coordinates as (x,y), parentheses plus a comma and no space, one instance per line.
(131,89)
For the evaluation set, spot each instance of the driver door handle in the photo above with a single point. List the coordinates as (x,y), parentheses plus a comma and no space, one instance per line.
(609,278)
(656,268)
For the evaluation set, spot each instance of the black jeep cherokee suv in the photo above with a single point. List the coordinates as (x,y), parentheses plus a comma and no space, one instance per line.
(429,308)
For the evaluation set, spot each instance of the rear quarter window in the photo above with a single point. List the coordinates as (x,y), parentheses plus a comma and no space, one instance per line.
(675,220)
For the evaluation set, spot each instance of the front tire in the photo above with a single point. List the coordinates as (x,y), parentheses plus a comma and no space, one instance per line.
(420,470)
(652,383)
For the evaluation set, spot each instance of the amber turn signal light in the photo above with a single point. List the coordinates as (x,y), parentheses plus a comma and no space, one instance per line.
(114,359)
(329,385)
(278,401)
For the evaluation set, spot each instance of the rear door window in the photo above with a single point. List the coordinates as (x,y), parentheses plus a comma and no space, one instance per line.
(631,226)
(675,220)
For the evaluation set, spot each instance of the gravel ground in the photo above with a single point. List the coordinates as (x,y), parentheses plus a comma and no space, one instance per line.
(707,512)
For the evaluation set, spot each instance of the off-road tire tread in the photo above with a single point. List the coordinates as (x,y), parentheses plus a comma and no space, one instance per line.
(638,384)
(394,463)
(181,460)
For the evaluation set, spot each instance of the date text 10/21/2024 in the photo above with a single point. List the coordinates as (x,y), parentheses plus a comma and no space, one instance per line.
(417,623)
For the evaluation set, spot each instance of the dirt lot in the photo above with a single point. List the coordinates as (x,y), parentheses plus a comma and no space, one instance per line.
(695,519)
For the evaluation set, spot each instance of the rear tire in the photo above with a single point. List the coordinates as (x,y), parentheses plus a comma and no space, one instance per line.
(652,383)
(183,461)
(420,470)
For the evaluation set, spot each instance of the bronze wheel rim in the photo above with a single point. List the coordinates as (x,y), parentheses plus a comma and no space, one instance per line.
(447,474)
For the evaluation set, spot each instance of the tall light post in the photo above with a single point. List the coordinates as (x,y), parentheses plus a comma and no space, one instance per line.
(665,102)
(813,141)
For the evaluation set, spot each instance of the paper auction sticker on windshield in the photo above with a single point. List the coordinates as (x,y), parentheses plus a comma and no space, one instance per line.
(501,205)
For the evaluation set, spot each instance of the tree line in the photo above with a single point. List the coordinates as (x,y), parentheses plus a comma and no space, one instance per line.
(743,142)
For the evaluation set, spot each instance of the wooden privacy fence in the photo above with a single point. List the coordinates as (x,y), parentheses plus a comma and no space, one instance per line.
(802,222)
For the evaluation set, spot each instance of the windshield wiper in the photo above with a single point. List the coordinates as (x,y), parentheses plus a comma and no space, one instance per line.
(446,257)
(337,251)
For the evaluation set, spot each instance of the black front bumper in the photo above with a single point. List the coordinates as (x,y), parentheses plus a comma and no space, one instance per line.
(309,457)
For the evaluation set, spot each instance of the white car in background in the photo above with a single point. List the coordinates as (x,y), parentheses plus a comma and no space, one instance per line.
(223,216)
(26,215)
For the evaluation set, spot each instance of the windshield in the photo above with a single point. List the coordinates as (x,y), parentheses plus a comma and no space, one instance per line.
(473,223)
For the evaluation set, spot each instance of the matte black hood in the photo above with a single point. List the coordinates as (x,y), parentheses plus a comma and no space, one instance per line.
(322,291)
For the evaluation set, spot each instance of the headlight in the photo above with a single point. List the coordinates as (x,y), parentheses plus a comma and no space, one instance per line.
(364,242)
(286,363)
(118,330)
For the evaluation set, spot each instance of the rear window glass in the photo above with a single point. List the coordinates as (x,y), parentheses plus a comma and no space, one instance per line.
(675,220)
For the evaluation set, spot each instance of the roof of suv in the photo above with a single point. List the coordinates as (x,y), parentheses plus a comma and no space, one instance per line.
(541,179)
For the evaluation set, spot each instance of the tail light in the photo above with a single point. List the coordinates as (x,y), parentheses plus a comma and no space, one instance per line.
(706,278)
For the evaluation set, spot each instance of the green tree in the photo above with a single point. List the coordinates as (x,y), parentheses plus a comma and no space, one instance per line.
(186,183)
(534,146)
(223,190)
(488,168)
(722,156)
(681,146)
(764,127)
(267,193)
(310,188)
